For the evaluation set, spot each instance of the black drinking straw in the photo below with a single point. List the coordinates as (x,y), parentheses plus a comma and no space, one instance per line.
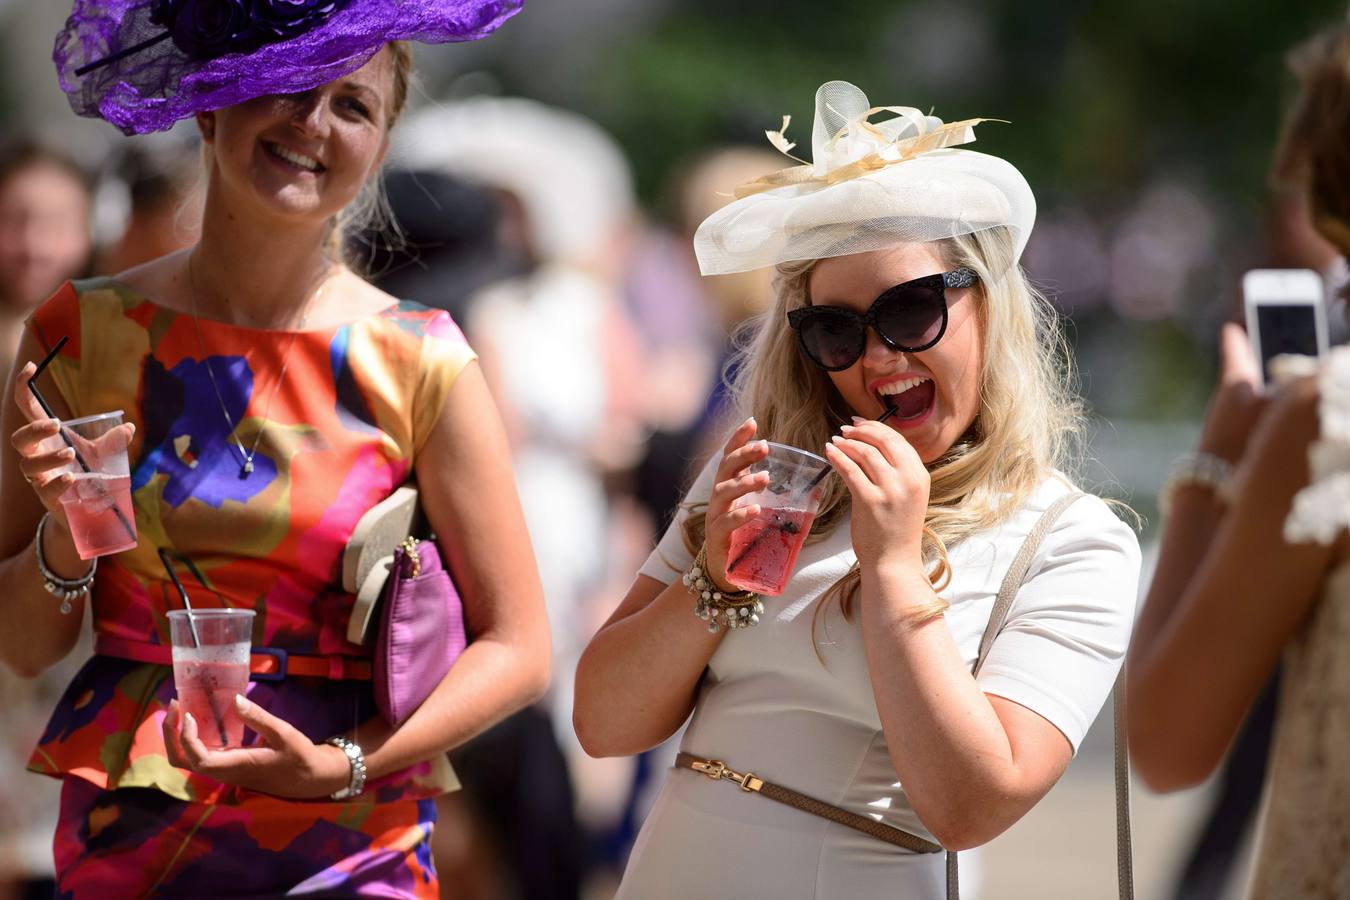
(164,558)
(46,407)
(820,476)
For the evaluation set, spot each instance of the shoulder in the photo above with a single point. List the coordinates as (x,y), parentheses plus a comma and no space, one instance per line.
(1087,525)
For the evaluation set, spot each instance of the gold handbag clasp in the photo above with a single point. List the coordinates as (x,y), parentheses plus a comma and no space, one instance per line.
(717,770)
(409,547)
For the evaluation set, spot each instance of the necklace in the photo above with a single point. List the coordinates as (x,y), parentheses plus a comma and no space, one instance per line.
(246,456)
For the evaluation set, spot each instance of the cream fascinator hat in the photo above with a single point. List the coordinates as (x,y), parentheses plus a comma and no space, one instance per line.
(869,185)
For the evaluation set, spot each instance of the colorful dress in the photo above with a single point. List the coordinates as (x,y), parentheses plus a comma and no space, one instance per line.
(342,431)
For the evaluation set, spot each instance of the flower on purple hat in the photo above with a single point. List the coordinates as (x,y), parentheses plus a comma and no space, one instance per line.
(205,29)
(288,18)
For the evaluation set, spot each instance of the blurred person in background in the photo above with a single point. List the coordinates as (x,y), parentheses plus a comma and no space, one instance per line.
(370,392)
(688,323)
(898,286)
(562,359)
(164,193)
(449,239)
(1212,862)
(510,831)
(45,239)
(1252,566)
(45,233)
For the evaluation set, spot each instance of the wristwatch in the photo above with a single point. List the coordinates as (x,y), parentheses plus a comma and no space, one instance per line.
(358,764)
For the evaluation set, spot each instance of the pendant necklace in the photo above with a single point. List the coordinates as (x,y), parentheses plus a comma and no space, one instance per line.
(246,455)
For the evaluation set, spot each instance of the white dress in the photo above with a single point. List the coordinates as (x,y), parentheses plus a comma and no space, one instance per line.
(769,704)
(1304,846)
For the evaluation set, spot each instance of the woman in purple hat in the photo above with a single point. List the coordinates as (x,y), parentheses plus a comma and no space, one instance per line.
(273,397)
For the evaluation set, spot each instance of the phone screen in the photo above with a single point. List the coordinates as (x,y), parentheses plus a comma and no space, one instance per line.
(1285,329)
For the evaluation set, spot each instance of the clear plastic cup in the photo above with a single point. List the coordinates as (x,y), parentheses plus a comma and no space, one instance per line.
(211,668)
(764,550)
(98,504)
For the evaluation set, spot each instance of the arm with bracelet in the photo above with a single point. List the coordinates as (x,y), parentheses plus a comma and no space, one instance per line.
(1228,589)
(40,570)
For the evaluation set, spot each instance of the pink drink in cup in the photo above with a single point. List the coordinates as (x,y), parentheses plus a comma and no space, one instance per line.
(764,550)
(208,672)
(98,503)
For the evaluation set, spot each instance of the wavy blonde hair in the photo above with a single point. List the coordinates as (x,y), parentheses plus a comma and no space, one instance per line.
(1029,423)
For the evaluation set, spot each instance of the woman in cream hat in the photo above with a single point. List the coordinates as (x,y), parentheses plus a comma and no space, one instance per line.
(898,296)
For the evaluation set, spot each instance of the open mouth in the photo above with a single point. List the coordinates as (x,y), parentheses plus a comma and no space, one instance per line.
(297,161)
(911,398)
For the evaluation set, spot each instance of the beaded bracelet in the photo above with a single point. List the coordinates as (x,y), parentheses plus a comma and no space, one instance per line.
(1203,470)
(68,589)
(357,760)
(734,609)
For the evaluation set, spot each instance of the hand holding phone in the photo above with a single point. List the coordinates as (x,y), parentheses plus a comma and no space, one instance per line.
(1286,313)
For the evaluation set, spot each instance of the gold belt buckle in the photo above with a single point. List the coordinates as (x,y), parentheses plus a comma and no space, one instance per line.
(717,770)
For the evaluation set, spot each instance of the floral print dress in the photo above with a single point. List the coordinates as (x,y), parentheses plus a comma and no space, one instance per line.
(342,431)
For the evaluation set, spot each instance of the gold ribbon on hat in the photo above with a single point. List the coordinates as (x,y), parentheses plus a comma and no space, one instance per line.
(891,152)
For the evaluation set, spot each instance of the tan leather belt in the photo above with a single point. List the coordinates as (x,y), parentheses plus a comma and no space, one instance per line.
(749,781)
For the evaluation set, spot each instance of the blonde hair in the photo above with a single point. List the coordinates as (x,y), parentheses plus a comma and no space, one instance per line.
(1029,422)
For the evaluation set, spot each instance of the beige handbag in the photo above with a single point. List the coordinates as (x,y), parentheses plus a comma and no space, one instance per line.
(370,552)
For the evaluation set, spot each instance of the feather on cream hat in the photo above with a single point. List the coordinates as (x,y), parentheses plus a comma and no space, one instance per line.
(869,185)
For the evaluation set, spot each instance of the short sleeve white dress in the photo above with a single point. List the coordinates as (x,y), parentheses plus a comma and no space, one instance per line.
(768,703)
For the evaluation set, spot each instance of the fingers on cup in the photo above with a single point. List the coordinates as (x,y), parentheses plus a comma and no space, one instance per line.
(170,727)
(874,464)
(737,517)
(194,751)
(23,397)
(727,492)
(745,455)
(849,471)
(32,435)
(34,465)
(275,732)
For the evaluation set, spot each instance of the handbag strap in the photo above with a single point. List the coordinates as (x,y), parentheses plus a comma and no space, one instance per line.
(1012,581)
(749,781)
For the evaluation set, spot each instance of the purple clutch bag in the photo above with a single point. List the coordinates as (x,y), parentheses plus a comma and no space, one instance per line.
(421,630)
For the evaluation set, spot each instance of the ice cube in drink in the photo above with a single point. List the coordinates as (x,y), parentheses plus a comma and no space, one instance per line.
(207,678)
(92,504)
(764,550)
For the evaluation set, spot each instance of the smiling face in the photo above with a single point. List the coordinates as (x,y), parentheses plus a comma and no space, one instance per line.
(307,154)
(936,391)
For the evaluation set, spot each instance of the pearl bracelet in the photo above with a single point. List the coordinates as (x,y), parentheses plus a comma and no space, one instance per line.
(1204,470)
(734,609)
(68,589)
(357,759)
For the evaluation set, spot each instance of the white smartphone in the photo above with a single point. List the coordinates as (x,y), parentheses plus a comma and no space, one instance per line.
(1286,313)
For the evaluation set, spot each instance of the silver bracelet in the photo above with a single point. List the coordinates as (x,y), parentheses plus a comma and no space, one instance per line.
(68,589)
(357,759)
(1198,469)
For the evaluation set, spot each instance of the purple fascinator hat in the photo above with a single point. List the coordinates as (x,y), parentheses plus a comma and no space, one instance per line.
(145,64)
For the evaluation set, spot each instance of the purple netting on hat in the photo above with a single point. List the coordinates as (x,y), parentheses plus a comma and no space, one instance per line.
(240,49)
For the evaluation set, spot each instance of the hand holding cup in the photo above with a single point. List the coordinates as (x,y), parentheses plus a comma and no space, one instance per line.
(734,480)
